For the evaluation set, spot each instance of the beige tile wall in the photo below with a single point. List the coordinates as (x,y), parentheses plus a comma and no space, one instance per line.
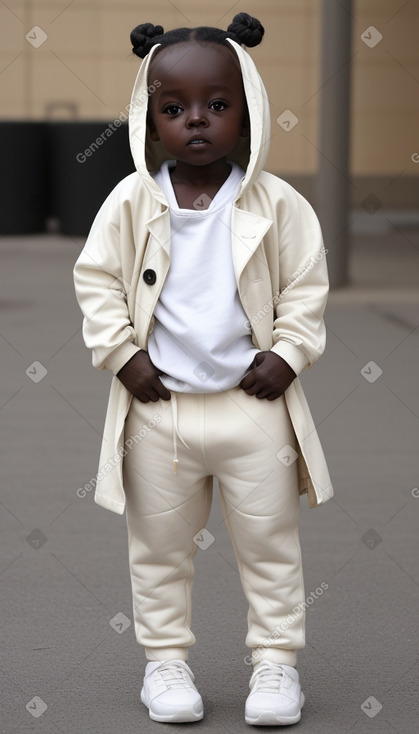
(85,69)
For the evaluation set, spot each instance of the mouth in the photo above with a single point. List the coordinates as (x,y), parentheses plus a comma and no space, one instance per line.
(198,142)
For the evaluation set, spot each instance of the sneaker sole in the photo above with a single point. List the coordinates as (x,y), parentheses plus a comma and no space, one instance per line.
(178,717)
(270,718)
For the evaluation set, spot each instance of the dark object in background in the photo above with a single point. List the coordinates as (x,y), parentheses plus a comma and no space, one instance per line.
(59,170)
(87,160)
(24,165)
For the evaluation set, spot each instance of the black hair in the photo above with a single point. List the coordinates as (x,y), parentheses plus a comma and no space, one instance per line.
(244,29)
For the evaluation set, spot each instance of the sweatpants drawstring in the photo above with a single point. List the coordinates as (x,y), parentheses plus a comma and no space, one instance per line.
(175,430)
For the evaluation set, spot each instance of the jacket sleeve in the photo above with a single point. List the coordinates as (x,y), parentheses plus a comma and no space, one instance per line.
(299,330)
(101,291)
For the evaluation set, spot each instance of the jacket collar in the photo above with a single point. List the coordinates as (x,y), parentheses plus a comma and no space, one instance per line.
(248,230)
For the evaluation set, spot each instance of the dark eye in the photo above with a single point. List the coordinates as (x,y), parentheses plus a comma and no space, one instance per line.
(172,109)
(218,105)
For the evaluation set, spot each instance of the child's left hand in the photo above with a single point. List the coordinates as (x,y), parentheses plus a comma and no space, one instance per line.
(269,376)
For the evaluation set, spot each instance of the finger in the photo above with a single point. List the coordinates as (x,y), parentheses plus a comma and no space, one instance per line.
(160,389)
(147,394)
(142,398)
(259,358)
(163,392)
(251,390)
(248,381)
(153,396)
(263,394)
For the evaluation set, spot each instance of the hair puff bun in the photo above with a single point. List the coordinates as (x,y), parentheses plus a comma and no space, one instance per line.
(247,29)
(142,38)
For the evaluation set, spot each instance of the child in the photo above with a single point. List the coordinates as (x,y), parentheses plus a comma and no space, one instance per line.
(203,284)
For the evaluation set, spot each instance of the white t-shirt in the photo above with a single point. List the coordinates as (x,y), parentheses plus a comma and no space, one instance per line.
(201,338)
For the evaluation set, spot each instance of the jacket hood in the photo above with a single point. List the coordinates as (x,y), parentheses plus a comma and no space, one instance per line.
(250,153)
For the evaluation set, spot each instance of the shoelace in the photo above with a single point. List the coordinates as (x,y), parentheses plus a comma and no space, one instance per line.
(267,679)
(174,675)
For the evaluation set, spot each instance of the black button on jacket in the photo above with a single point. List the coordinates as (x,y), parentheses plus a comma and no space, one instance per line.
(149,277)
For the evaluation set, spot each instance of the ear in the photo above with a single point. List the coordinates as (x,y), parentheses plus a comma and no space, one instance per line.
(152,128)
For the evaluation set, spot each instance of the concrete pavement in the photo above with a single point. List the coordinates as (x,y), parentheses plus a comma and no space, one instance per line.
(69,660)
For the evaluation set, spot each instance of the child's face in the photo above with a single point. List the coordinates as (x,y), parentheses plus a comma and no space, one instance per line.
(199,112)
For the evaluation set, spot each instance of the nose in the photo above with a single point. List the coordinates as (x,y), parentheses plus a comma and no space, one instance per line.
(197,117)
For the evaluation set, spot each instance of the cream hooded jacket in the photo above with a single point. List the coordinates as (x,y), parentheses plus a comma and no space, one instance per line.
(279,263)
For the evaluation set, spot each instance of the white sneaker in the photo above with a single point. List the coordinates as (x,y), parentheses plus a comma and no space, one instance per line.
(275,695)
(169,693)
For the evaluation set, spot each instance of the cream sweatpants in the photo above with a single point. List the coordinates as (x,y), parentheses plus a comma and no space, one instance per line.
(244,442)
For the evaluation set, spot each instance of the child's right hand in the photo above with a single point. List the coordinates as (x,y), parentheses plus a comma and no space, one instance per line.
(141,378)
